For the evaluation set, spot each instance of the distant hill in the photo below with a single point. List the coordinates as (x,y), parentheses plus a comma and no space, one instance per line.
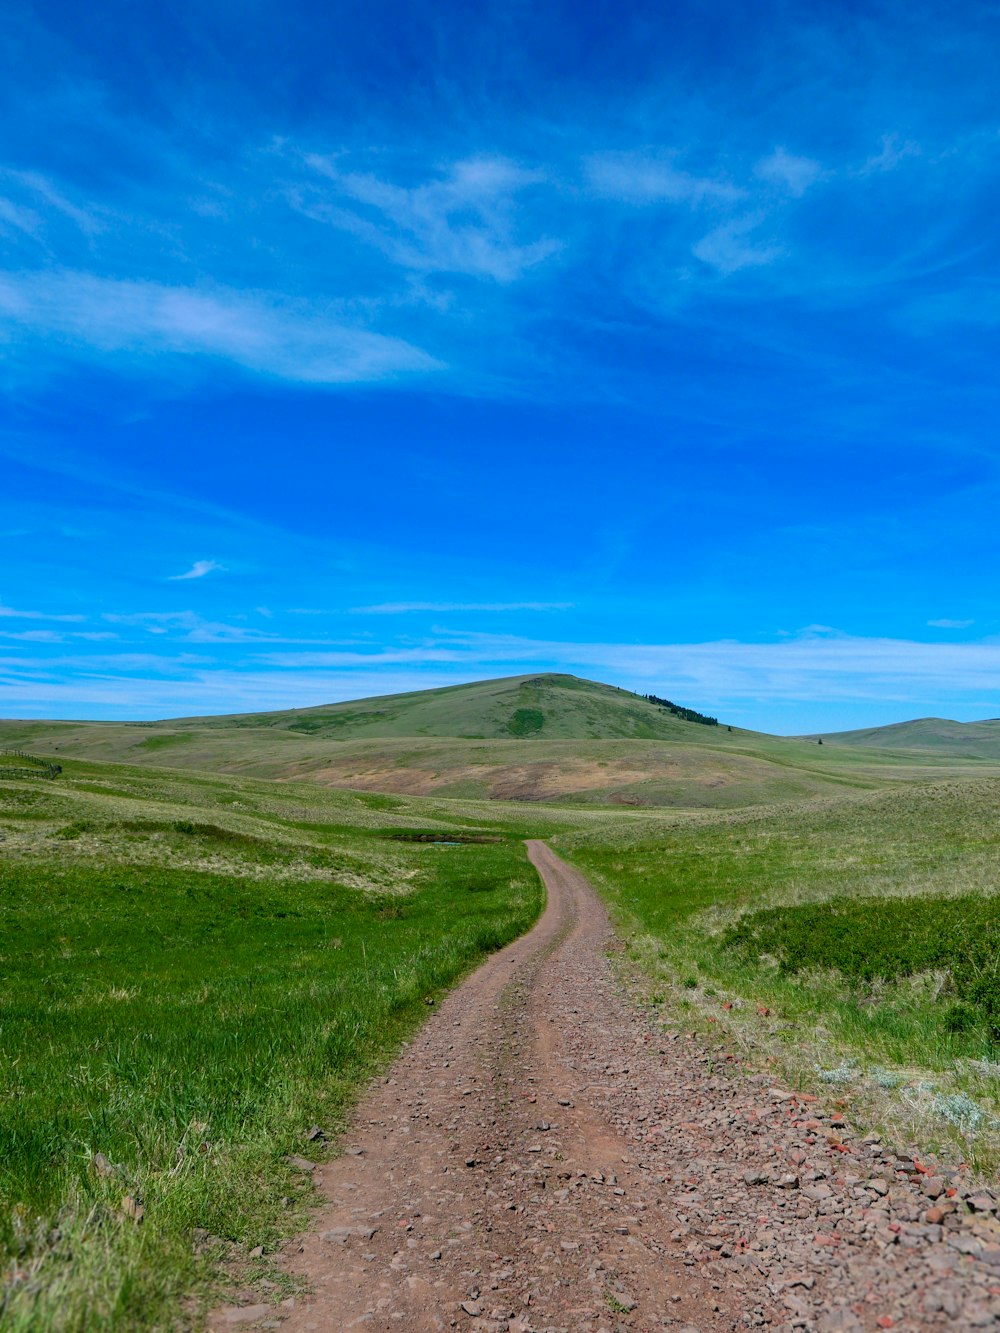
(543,707)
(545,737)
(940,735)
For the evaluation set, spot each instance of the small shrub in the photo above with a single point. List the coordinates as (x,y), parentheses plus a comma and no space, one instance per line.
(525,721)
(883,939)
(960,1110)
(75,829)
(960,1017)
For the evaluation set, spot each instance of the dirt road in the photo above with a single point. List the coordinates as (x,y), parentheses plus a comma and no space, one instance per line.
(542,1158)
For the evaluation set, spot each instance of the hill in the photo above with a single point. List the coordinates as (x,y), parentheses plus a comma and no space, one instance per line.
(938,735)
(544,738)
(542,707)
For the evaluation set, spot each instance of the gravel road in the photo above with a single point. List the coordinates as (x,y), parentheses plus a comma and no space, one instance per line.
(541,1158)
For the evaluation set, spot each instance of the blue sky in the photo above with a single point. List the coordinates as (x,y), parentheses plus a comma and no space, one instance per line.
(355,348)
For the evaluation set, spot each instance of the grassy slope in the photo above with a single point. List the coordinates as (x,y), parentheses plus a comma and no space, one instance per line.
(195,971)
(677,886)
(594,744)
(549,707)
(936,735)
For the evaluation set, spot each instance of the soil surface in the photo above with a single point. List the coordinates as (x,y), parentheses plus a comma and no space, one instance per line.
(546,1157)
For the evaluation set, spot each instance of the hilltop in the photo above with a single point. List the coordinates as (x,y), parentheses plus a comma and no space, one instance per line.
(549,706)
(937,735)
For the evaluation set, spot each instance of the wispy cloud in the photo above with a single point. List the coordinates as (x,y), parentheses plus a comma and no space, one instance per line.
(649,178)
(45,193)
(801,677)
(403,608)
(190,626)
(788,171)
(9,611)
(20,218)
(892,152)
(950,624)
(197,571)
(814,667)
(731,247)
(287,339)
(463,220)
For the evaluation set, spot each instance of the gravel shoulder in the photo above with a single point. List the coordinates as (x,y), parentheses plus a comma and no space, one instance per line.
(542,1159)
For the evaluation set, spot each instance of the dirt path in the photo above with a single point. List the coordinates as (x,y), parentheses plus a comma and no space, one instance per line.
(543,1159)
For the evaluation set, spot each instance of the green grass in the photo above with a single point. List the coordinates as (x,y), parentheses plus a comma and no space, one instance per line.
(875,940)
(940,735)
(866,929)
(186,996)
(199,965)
(547,738)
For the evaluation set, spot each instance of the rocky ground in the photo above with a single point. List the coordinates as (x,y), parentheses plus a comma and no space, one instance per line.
(543,1159)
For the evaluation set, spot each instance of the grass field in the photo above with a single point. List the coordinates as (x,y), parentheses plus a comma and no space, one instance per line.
(196,972)
(855,942)
(202,962)
(551,739)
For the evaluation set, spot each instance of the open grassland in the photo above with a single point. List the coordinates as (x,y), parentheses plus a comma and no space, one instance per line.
(853,942)
(690,766)
(199,966)
(929,735)
(195,972)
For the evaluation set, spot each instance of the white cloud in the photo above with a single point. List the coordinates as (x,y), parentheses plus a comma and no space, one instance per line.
(789,172)
(191,627)
(9,611)
(296,341)
(197,571)
(20,218)
(43,190)
(815,667)
(806,675)
(950,624)
(401,608)
(466,220)
(646,178)
(892,152)
(727,250)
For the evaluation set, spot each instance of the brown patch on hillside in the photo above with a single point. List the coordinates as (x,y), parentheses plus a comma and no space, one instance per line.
(544,780)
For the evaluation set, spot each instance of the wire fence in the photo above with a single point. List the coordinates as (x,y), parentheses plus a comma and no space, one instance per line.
(29,767)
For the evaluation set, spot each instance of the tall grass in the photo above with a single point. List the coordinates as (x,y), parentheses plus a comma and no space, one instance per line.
(854,941)
(168,1034)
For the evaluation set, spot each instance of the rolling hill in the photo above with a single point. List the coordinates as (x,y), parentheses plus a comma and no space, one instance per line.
(543,738)
(937,735)
(542,707)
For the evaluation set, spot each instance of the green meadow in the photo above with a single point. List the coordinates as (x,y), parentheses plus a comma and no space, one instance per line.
(194,974)
(852,943)
(210,941)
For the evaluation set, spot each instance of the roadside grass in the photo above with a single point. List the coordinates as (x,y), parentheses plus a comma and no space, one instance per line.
(199,967)
(853,944)
(196,971)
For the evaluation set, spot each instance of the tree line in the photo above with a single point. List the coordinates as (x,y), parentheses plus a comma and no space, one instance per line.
(686,714)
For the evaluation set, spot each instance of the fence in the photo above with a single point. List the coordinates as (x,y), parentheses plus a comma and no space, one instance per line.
(30,767)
